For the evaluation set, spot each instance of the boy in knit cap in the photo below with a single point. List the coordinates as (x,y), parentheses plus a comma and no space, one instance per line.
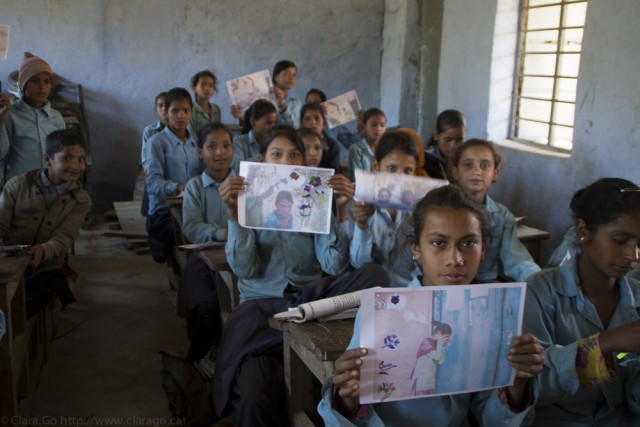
(25,125)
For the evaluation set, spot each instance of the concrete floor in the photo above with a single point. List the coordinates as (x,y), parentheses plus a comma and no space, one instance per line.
(104,361)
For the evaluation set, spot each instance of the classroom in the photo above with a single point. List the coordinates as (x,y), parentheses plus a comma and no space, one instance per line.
(410,58)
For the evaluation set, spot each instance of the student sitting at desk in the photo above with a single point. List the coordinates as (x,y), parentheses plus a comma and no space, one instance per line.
(276,270)
(45,209)
(204,219)
(476,166)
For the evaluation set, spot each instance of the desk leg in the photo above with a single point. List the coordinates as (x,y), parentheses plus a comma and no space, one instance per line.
(299,387)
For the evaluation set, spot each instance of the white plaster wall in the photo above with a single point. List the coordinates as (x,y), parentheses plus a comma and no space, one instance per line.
(124,52)
(607,125)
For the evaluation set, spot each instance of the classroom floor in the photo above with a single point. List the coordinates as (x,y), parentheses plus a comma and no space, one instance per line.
(104,361)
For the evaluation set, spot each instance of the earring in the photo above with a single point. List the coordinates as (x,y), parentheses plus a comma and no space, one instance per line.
(581,239)
(416,257)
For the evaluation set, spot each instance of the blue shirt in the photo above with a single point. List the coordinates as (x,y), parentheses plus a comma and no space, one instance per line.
(442,411)
(170,162)
(199,118)
(266,261)
(147,133)
(204,214)
(559,315)
(292,115)
(360,157)
(343,135)
(245,147)
(505,247)
(23,137)
(392,250)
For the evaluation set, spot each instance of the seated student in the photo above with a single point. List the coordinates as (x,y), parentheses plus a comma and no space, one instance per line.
(313,146)
(260,117)
(203,85)
(451,231)
(276,270)
(361,154)
(285,75)
(312,116)
(381,235)
(476,166)
(28,121)
(441,148)
(341,133)
(204,219)
(586,312)
(45,209)
(282,216)
(147,133)
(172,160)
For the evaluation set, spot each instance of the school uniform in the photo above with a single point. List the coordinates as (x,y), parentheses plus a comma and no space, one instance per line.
(344,136)
(23,137)
(245,147)
(504,246)
(147,134)
(559,315)
(360,157)
(435,164)
(452,410)
(292,115)
(331,155)
(199,118)
(33,211)
(170,162)
(385,242)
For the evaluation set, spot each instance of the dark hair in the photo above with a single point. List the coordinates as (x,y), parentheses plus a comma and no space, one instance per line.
(197,76)
(285,131)
(177,94)
(259,108)
(212,127)
(395,140)
(498,158)
(160,95)
(443,328)
(313,106)
(450,196)
(284,195)
(280,67)
(58,139)
(318,92)
(372,112)
(604,201)
(446,120)
(302,132)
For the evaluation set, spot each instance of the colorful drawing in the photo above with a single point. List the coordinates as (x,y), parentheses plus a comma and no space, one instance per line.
(341,109)
(387,389)
(246,89)
(391,341)
(383,368)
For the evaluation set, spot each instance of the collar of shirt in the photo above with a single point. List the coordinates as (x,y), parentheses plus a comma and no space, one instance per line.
(174,140)
(207,180)
(22,105)
(490,205)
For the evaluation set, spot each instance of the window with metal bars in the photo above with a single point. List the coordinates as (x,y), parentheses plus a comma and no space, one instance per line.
(551,43)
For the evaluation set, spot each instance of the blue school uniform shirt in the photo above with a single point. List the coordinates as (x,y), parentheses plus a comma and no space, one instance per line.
(199,118)
(360,157)
(266,261)
(245,147)
(504,246)
(147,133)
(385,242)
(170,162)
(292,115)
(23,137)
(343,135)
(559,315)
(204,214)
(436,411)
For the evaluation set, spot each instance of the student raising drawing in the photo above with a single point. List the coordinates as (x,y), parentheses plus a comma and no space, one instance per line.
(276,270)
(340,133)
(586,312)
(476,166)
(450,130)
(260,117)
(452,231)
(381,234)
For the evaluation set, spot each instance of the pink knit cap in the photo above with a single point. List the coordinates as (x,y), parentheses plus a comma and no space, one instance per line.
(30,66)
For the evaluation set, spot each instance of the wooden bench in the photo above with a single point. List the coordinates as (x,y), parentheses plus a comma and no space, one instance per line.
(532,239)
(310,350)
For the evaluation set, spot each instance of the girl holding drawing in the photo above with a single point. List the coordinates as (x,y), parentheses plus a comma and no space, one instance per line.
(276,270)
(452,231)
(381,233)
(586,313)
(476,166)
(430,355)
(259,119)
(340,133)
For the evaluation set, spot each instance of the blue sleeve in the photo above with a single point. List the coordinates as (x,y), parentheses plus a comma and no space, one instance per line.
(332,250)
(241,250)
(355,161)
(516,260)
(361,246)
(156,182)
(195,225)
(292,115)
(487,407)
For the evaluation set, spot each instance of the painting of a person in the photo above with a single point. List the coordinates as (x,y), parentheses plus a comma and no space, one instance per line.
(282,216)
(430,355)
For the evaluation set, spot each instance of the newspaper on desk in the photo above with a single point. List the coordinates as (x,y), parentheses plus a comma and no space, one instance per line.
(341,109)
(334,308)
(390,190)
(244,90)
(438,340)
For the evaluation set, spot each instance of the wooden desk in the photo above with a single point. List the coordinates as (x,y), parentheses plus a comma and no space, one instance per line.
(532,238)
(310,350)
(226,281)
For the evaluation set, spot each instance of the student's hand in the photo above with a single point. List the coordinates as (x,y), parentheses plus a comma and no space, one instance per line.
(229,190)
(361,213)
(37,254)
(179,188)
(237,112)
(279,94)
(625,338)
(346,380)
(5,106)
(343,191)
(527,358)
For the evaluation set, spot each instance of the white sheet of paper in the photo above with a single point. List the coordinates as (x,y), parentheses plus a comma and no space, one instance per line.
(390,190)
(246,89)
(285,198)
(4,41)
(342,109)
(408,359)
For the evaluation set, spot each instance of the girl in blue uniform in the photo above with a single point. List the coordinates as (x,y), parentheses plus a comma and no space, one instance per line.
(586,313)
(362,153)
(203,84)
(259,119)
(450,130)
(452,231)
